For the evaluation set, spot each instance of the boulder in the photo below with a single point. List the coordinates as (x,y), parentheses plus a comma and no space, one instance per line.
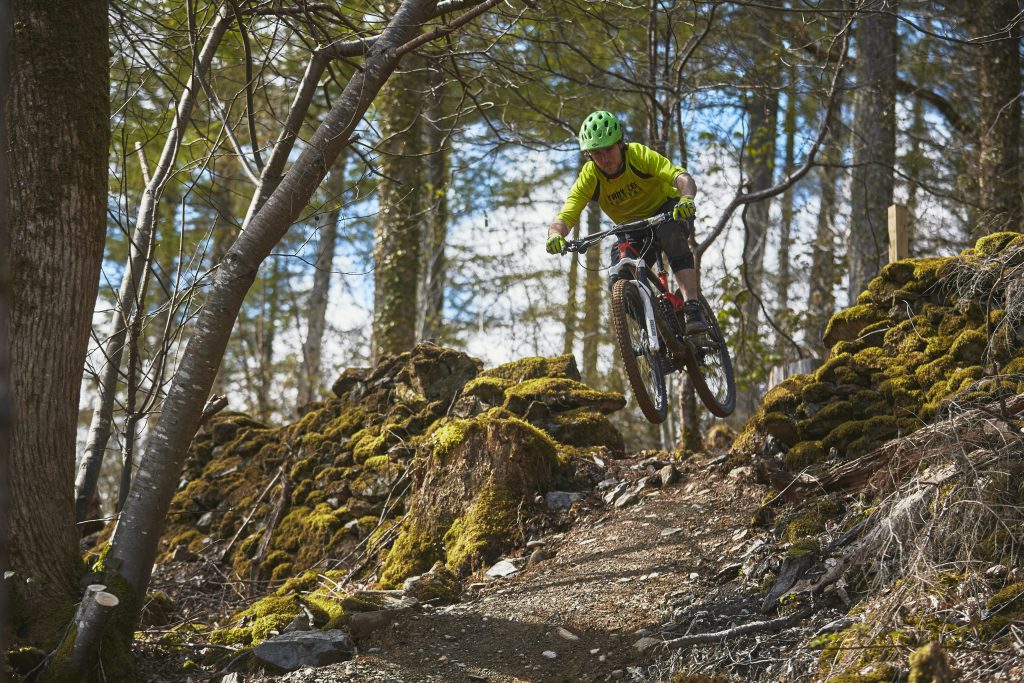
(289,651)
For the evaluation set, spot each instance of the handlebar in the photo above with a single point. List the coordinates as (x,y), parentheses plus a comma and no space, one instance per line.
(581,245)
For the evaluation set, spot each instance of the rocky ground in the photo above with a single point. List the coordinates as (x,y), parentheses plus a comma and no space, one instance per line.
(664,571)
(654,552)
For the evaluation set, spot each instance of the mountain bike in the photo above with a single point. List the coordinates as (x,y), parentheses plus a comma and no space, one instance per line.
(650,336)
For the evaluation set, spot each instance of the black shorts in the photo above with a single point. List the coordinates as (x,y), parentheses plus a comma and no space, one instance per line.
(670,237)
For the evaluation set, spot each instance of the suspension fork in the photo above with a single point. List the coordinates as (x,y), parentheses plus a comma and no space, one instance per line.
(636,269)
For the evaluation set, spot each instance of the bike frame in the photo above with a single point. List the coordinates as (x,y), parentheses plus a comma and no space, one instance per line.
(639,265)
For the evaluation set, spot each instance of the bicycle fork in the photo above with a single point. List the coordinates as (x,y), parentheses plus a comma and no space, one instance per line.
(653,340)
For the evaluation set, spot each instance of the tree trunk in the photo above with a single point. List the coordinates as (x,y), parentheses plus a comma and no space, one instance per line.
(396,256)
(57,217)
(693,439)
(266,336)
(431,294)
(784,280)
(593,294)
(134,543)
(316,321)
(874,143)
(6,417)
(997,64)
(762,110)
(914,164)
(127,297)
(820,294)
(571,305)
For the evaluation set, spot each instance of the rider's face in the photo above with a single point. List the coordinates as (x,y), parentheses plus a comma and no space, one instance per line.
(608,159)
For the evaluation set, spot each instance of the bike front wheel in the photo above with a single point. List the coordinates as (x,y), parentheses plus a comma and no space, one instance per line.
(711,366)
(643,366)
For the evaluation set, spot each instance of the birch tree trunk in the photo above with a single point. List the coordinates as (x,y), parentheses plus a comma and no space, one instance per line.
(997,64)
(430,324)
(593,295)
(56,213)
(134,543)
(128,297)
(327,228)
(874,143)
(396,255)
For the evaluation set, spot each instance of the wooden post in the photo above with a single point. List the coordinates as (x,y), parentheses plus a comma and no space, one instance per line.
(899,247)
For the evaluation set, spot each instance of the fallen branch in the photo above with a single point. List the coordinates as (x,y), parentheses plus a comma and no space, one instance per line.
(753,627)
(248,518)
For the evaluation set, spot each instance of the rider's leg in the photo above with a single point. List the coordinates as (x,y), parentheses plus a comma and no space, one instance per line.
(673,238)
(687,279)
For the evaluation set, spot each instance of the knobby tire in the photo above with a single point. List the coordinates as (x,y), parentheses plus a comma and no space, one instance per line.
(643,366)
(711,367)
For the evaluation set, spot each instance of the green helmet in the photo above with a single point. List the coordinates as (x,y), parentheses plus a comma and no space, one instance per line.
(600,129)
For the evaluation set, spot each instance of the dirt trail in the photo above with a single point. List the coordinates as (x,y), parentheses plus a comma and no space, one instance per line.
(615,577)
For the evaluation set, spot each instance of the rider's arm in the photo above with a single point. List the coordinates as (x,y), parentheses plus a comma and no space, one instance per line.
(558,227)
(582,192)
(685,184)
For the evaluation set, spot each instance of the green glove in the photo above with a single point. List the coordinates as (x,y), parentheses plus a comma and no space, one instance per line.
(684,209)
(555,244)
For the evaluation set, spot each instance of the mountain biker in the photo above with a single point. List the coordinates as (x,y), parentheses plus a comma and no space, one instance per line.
(631,182)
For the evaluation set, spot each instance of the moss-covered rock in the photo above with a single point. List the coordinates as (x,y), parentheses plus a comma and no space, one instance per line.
(536,367)
(559,394)
(339,481)
(849,324)
(469,496)
(916,343)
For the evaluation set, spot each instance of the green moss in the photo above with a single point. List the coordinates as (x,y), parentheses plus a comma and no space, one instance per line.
(488,388)
(813,521)
(269,615)
(994,244)
(804,454)
(448,435)
(849,324)
(780,426)
(373,441)
(785,397)
(842,436)
(584,428)
(804,547)
(536,367)
(817,392)
(1009,598)
(827,372)
(560,394)
(414,552)
(475,538)
(969,346)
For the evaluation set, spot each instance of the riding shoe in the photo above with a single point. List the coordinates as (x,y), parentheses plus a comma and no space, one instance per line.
(694,319)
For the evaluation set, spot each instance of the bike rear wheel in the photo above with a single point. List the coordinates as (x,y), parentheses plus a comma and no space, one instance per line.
(643,366)
(711,366)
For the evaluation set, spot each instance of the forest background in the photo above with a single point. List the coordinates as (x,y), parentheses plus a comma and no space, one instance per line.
(250,196)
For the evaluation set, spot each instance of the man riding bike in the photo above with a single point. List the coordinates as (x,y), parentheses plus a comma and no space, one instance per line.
(631,182)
